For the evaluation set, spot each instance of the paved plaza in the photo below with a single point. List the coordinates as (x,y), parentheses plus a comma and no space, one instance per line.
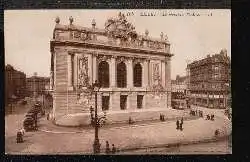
(51,139)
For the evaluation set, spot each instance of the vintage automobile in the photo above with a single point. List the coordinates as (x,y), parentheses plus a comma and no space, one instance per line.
(29,123)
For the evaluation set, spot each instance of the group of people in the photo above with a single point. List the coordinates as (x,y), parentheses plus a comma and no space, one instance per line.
(200,114)
(108,150)
(162,117)
(196,112)
(210,117)
(179,124)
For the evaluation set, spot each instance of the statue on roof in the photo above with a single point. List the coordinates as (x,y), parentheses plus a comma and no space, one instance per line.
(119,27)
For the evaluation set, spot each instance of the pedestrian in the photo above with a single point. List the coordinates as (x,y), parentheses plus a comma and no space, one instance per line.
(177,124)
(182,120)
(19,137)
(212,117)
(107,148)
(181,123)
(113,148)
(181,128)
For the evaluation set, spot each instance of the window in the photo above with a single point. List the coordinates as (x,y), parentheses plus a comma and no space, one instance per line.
(139,101)
(123,102)
(103,74)
(216,76)
(105,102)
(121,75)
(137,75)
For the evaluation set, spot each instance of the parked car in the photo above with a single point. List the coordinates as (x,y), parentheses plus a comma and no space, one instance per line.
(30,114)
(29,124)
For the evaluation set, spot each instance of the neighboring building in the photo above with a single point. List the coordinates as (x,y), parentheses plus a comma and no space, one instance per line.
(14,83)
(131,68)
(179,92)
(210,80)
(180,84)
(36,84)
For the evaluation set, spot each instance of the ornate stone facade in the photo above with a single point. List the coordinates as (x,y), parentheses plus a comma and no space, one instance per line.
(133,69)
(209,80)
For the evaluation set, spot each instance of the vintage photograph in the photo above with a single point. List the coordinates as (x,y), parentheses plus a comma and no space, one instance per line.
(118,82)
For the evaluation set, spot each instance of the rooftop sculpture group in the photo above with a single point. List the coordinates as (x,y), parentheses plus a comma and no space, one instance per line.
(116,32)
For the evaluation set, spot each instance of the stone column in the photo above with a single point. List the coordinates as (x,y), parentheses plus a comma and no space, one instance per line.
(163,73)
(75,70)
(54,92)
(94,67)
(111,101)
(149,73)
(90,68)
(168,80)
(69,62)
(129,73)
(112,74)
(52,71)
(145,74)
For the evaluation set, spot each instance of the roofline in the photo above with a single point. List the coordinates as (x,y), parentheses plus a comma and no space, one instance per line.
(97,45)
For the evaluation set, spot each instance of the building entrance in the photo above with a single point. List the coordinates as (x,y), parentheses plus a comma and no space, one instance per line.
(123,102)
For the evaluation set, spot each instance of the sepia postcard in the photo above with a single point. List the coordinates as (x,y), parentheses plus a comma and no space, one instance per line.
(118,82)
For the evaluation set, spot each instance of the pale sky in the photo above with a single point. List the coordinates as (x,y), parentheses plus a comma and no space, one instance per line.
(28,33)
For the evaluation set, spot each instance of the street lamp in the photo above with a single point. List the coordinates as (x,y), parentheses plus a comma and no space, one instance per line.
(96,121)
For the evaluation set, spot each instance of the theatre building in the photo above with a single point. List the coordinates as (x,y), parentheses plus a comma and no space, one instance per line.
(133,70)
(210,81)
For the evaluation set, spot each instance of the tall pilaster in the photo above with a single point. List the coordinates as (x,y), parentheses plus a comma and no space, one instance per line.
(163,78)
(54,93)
(112,74)
(75,67)
(52,71)
(145,74)
(90,68)
(149,73)
(168,80)
(94,67)
(69,62)
(130,73)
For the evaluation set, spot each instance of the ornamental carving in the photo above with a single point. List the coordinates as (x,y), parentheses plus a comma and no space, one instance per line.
(83,79)
(80,35)
(156,72)
(120,28)
(121,59)
(101,58)
(138,60)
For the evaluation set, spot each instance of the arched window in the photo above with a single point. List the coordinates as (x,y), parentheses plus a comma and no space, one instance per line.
(137,75)
(103,74)
(121,75)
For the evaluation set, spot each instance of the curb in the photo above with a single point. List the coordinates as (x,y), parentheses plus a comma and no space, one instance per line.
(89,128)
(177,144)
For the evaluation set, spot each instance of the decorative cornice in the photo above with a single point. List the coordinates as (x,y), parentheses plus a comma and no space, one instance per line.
(108,47)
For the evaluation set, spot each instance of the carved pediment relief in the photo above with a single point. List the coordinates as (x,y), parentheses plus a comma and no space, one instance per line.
(120,27)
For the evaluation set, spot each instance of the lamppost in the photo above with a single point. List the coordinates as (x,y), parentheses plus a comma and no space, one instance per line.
(96,121)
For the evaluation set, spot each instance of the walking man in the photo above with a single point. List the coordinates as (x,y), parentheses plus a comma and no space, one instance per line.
(181,124)
(177,124)
(107,148)
(113,149)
